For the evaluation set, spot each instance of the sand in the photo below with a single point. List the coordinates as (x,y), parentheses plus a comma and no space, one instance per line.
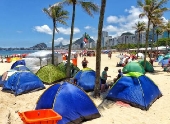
(111,112)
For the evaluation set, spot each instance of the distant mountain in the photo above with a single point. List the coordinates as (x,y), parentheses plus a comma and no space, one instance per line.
(59,45)
(79,41)
(40,46)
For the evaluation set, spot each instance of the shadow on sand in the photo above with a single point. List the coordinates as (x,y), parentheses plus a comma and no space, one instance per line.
(157,72)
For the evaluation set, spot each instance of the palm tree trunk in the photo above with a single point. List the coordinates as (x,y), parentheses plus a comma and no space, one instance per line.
(71,38)
(157,46)
(98,48)
(153,33)
(138,43)
(167,43)
(146,44)
(54,27)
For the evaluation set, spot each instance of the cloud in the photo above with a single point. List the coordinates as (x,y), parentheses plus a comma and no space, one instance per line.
(94,38)
(87,27)
(110,28)
(120,24)
(46,29)
(63,40)
(19,32)
(164,20)
(115,19)
(43,29)
(67,31)
(90,28)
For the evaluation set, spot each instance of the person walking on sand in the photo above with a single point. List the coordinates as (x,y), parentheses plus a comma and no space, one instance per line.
(109,55)
(103,79)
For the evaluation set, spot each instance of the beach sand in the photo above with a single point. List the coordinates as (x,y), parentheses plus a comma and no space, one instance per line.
(111,113)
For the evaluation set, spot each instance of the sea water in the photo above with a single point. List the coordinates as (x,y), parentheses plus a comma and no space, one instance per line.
(12,52)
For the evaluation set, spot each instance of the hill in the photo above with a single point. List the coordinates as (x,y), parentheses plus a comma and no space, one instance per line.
(79,41)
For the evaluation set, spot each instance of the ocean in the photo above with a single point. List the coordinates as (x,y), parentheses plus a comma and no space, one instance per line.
(11,52)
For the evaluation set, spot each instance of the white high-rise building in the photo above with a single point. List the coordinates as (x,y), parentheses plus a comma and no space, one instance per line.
(126,38)
(108,41)
(115,41)
(104,33)
(142,37)
(104,38)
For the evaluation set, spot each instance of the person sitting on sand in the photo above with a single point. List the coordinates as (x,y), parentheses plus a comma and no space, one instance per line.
(120,74)
(103,79)
(84,63)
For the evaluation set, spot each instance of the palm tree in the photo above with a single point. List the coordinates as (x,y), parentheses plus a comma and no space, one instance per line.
(167,28)
(90,8)
(150,9)
(140,26)
(58,15)
(98,48)
(157,20)
(158,32)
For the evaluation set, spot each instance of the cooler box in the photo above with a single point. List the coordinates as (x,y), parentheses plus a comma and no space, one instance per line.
(42,116)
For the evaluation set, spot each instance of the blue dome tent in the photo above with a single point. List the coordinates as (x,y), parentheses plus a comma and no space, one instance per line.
(1,82)
(135,89)
(160,58)
(19,62)
(72,103)
(22,82)
(86,79)
(164,62)
(21,68)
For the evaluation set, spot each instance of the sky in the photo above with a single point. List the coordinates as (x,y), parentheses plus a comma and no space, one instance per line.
(24,24)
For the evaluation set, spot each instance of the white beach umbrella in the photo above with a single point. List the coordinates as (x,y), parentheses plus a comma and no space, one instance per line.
(120,56)
(140,55)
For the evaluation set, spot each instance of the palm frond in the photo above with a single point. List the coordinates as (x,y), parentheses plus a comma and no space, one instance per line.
(142,15)
(47,12)
(139,3)
(140,26)
(68,2)
(57,14)
(62,22)
(161,3)
(89,7)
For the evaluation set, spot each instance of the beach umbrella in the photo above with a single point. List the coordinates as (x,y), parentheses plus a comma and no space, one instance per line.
(50,74)
(140,55)
(120,56)
(21,68)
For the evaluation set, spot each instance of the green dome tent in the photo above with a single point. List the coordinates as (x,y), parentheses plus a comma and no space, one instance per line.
(50,74)
(148,67)
(62,67)
(133,67)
